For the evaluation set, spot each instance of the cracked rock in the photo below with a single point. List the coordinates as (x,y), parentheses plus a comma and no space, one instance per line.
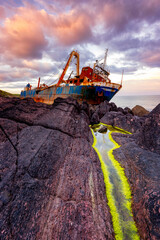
(51,180)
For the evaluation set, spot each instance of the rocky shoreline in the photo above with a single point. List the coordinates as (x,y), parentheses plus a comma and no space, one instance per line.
(51,180)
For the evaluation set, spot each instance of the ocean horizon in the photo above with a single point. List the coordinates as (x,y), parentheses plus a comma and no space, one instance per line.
(149,102)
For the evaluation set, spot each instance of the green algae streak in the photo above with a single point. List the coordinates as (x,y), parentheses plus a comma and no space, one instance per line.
(117,187)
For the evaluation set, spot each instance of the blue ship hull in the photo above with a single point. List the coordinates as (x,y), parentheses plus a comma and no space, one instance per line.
(91,94)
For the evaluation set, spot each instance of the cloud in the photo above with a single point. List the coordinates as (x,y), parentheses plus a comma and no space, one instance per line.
(146,52)
(72,28)
(31,31)
(2,12)
(22,37)
(127,70)
(27,33)
(119,16)
(16,75)
(151,58)
(40,67)
(46,29)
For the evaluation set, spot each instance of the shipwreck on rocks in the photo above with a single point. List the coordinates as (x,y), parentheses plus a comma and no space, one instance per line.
(92,85)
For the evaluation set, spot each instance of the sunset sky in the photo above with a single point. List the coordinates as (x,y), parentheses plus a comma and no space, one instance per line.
(36,37)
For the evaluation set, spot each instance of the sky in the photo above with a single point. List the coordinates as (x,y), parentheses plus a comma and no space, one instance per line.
(37,36)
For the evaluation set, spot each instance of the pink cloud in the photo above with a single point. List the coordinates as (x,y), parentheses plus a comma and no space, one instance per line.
(111,13)
(37,66)
(122,15)
(2,12)
(30,30)
(25,34)
(15,74)
(22,37)
(72,28)
(151,58)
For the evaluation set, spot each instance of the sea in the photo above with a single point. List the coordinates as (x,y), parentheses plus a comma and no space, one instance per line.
(148,102)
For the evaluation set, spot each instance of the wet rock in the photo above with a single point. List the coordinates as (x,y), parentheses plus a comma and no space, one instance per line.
(113,107)
(127,110)
(155,111)
(142,170)
(24,111)
(139,111)
(108,118)
(103,129)
(127,122)
(51,181)
(99,111)
(139,155)
(149,136)
(119,109)
(94,119)
(69,101)
(104,109)
(85,108)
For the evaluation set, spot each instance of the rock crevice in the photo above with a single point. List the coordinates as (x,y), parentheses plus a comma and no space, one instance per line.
(54,187)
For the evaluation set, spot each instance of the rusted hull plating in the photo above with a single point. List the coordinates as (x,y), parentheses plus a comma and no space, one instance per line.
(91,94)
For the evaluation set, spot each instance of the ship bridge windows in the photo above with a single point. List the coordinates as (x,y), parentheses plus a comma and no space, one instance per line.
(73,81)
(85,69)
(81,80)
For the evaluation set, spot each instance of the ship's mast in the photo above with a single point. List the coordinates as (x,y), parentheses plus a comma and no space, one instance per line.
(122,76)
(105,58)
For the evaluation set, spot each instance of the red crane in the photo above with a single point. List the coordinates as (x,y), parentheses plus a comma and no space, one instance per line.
(73,53)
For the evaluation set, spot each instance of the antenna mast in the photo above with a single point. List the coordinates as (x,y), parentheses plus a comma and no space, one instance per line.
(105,58)
(122,76)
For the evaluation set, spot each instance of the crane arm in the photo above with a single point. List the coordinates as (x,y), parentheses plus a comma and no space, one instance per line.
(73,53)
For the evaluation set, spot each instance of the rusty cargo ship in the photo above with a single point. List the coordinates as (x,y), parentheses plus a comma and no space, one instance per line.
(92,85)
